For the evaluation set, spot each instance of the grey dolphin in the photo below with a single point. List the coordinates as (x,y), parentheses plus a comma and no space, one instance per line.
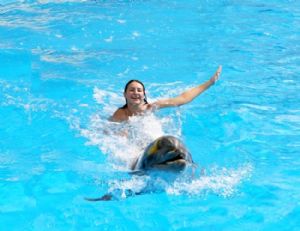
(165,153)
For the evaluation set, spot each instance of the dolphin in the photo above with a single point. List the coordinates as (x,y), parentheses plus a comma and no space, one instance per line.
(166,153)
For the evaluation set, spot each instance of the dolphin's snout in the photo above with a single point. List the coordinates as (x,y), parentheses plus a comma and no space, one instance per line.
(167,153)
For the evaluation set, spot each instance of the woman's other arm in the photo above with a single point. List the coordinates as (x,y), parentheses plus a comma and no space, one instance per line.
(189,94)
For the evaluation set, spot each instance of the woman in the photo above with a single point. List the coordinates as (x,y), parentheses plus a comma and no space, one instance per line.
(136,102)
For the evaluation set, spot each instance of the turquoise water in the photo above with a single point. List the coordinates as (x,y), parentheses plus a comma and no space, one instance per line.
(63,68)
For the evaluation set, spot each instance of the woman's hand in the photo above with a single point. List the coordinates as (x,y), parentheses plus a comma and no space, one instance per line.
(215,77)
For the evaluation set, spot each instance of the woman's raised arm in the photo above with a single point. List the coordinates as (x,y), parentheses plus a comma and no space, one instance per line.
(189,94)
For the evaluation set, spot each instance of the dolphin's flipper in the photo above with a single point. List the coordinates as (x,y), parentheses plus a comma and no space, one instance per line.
(106,197)
(115,195)
(137,172)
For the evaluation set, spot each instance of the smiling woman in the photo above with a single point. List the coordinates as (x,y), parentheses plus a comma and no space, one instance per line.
(136,102)
(134,94)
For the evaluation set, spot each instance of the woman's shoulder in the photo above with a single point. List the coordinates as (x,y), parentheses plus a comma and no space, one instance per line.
(119,115)
(152,106)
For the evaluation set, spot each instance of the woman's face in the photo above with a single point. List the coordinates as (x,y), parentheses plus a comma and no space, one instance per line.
(135,94)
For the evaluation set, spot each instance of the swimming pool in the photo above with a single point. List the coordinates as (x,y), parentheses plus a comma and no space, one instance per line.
(63,68)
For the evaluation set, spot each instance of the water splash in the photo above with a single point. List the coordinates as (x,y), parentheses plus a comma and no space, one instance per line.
(124,142)
(222,182)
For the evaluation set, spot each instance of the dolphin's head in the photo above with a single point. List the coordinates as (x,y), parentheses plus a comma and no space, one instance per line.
(166,153)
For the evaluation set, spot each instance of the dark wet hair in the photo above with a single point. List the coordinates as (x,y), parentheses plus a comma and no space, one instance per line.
(125,89)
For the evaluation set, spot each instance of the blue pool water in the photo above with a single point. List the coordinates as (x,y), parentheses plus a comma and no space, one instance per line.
(64,64)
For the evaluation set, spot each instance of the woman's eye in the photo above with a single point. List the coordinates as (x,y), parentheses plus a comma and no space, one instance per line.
(136,90)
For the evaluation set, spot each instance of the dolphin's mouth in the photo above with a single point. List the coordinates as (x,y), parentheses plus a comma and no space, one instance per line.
(173,162)
(174,159)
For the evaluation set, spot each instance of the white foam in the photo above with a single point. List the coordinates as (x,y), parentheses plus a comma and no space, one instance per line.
(123,142)
(107,99)
(136,184)
(222,182)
